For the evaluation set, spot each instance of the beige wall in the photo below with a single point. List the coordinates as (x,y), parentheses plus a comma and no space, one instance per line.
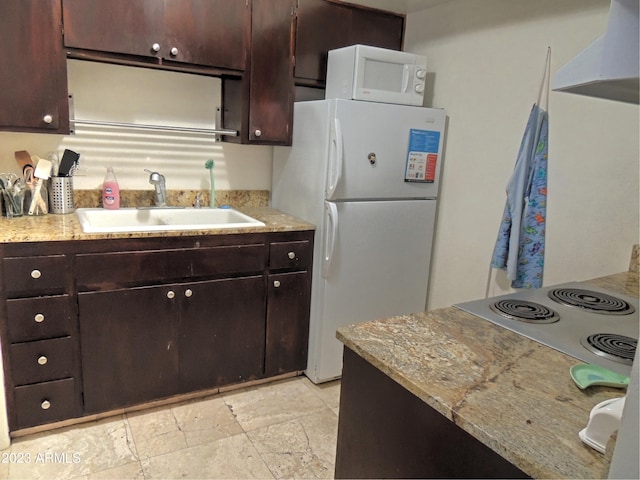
(485,59)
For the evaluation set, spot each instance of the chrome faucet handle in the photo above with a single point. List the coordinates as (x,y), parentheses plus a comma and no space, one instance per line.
(198,202)
(154,177)
(158,181)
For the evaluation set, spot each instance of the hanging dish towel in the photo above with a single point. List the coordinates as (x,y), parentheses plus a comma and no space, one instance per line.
(519,248)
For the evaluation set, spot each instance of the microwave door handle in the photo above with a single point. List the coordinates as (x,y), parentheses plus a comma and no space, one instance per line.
(330,234)
(335,158)
(405,78)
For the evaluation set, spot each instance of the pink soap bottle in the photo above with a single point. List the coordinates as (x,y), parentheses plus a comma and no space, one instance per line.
(110,191)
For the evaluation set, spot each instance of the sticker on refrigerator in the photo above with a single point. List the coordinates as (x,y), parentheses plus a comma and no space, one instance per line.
(422,157)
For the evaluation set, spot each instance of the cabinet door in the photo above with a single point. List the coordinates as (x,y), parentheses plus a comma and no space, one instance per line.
(119,26)
(33,77)
(324,26)
(287,322)
(207,32)
(222,330)
(128,343)
(271,98)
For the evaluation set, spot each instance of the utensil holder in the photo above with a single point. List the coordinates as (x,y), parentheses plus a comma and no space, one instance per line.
(13,203)
(61,195)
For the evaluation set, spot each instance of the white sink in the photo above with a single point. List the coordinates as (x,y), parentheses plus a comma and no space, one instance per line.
(100,220)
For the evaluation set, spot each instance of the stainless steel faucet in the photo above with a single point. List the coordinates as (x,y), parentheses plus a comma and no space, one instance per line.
(158,181)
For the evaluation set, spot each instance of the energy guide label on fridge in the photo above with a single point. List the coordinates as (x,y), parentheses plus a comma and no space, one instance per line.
(422,157)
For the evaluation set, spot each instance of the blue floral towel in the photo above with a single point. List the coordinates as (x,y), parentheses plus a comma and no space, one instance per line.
(519,248)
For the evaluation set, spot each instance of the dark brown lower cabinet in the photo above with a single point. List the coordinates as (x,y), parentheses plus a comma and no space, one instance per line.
(221,333)
(46,402)
(384,431)
(92,326)
(287,322)
(128,341)
(153,342)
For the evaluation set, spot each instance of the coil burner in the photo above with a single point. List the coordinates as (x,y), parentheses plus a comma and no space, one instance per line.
(524,311)
(617,348)
(596,302)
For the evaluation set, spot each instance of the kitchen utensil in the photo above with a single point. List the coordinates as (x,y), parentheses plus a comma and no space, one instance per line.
(28,176)
(604,419)
(55,163)
(23,159)
(69,159)
(586,375)
(42,172)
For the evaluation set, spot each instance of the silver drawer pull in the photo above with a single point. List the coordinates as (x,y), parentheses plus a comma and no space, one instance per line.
(45,405)
(39,318)
(188,293)
(36,273)
(276,283)
(171,294)
(291,255)
(42,360)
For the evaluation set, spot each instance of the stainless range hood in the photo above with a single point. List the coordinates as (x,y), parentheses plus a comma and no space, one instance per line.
(609,67)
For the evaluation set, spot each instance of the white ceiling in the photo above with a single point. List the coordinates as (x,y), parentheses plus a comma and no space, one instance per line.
(399,6)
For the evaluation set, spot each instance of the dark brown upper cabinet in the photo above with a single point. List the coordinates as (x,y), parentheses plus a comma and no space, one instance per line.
(260,105)
(262,50)
(325,25)
(211,33)
(33,76)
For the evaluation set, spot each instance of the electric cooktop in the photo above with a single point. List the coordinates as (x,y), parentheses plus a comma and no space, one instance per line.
(586,322)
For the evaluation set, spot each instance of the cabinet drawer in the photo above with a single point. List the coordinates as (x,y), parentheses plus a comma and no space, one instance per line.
(40,361)
(46,402)
(32,276)
(290,255)
(110,270)
(40,318)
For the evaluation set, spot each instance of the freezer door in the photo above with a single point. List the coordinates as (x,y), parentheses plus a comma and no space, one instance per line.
(375,264)
(369,150)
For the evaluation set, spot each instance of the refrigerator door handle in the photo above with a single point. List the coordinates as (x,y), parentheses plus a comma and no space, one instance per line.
(330,233)
(335,158)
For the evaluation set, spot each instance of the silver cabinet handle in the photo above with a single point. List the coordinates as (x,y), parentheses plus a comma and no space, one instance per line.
(291,255)
(47,119)
(276,283)
(171,294)
(39,318)
(45,405)
(36,274)
(188,293)
(174,52)
(42,360)
(155,47)
(258,133)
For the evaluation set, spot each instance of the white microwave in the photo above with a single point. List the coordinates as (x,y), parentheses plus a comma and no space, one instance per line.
(361,72)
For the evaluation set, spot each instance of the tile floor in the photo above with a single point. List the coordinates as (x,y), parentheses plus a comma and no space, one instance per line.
(285,429)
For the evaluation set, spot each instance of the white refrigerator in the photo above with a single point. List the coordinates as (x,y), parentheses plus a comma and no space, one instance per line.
(366,174)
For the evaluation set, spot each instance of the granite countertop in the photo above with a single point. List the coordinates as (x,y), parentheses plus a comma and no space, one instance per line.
(53,227)
(513,394)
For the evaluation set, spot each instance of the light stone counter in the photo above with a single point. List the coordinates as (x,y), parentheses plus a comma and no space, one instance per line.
(67,227)
(513,394)
(52,227)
